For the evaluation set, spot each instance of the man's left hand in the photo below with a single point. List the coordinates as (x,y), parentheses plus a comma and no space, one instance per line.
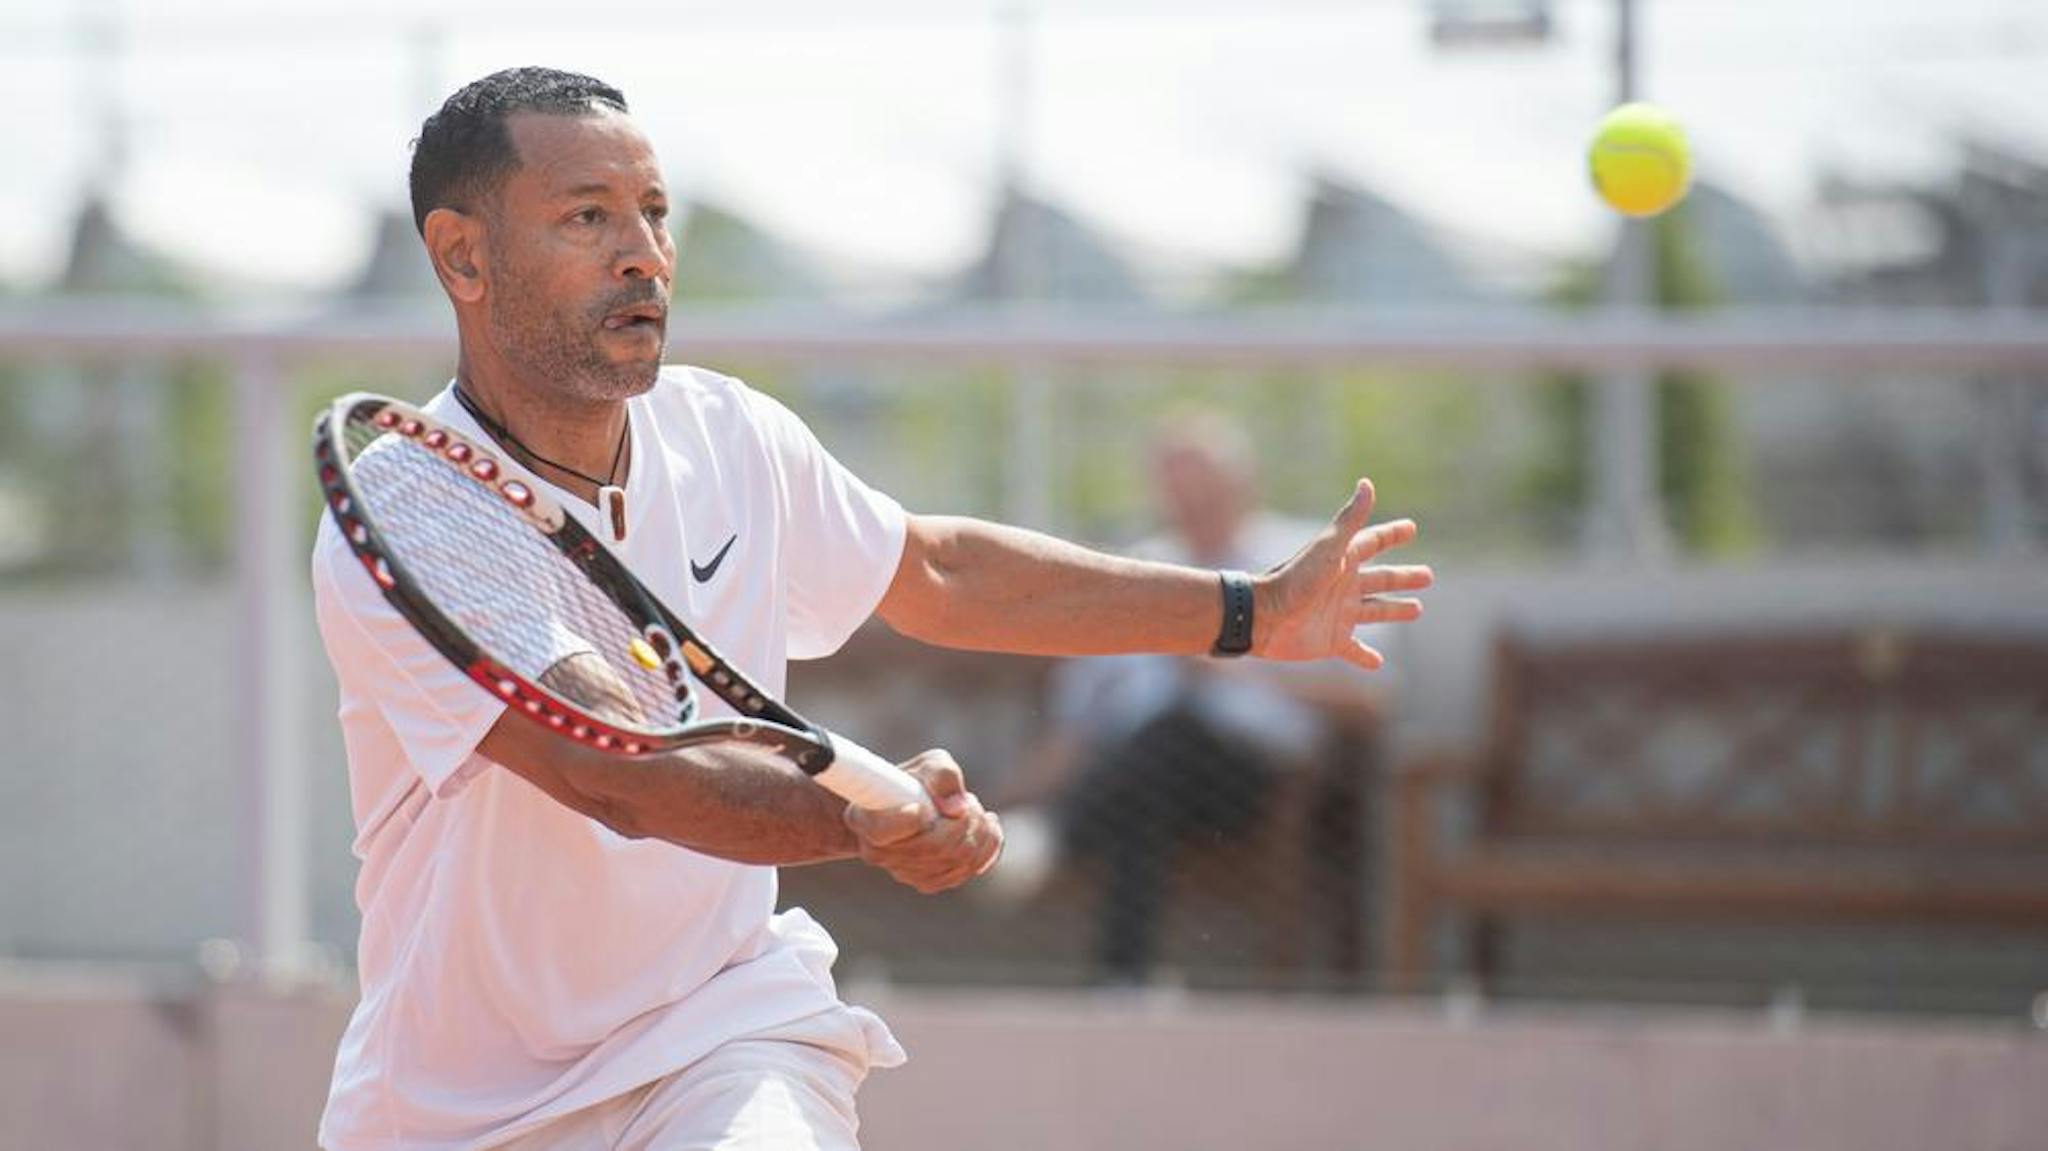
(1309,607)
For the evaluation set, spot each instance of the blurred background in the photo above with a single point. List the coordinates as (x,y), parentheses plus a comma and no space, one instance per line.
(1708,803)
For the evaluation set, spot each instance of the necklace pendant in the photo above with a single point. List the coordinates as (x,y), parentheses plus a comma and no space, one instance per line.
(611,499)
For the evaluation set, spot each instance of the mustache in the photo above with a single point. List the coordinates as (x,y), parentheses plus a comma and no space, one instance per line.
(633,298)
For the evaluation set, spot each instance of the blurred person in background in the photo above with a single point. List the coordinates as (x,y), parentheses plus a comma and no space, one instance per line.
(1148,754)
(564,949)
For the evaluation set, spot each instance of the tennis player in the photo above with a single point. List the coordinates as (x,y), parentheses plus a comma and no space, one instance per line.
(562,949)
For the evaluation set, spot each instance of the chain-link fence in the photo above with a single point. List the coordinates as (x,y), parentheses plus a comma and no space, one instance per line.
(173,775)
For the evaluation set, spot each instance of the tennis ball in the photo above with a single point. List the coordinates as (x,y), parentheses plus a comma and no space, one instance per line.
(1639,160)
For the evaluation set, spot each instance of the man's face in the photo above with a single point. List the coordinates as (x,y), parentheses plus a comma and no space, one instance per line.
(1200,495)
(580,256)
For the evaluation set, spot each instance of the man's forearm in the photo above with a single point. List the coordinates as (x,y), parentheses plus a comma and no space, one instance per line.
(735,803)
(968,583)
(726,800)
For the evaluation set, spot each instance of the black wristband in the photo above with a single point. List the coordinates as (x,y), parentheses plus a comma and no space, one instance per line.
(1235,637)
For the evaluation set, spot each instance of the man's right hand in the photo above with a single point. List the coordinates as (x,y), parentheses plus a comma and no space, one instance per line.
(931,855)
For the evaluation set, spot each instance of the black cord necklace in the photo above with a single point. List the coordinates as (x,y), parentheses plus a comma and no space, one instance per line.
(503,435)
(611,498)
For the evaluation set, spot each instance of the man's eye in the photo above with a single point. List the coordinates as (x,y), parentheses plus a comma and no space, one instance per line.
(657,212)
(589,216)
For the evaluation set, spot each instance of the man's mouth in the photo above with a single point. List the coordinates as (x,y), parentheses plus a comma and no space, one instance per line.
(639,316)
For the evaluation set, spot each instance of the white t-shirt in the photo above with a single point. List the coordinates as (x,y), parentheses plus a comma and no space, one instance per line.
(519,960)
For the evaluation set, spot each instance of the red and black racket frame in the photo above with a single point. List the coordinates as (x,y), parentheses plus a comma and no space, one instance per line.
(763,720)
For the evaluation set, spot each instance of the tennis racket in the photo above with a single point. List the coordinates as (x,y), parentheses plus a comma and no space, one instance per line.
(499,579)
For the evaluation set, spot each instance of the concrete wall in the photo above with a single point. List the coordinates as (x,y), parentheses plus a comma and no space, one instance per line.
(93,1059)
(98,1062)
(1025,1074)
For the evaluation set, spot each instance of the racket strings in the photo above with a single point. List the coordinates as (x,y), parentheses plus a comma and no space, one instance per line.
(503,582)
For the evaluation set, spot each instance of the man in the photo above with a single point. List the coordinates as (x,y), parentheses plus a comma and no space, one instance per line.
(562,949)
(1146,752)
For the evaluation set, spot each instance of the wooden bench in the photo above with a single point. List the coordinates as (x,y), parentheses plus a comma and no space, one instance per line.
(1867,776)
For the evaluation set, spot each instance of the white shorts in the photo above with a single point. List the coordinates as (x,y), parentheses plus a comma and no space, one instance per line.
(755,1094)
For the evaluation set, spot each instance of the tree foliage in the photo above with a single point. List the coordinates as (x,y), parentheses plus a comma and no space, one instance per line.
(1701,473)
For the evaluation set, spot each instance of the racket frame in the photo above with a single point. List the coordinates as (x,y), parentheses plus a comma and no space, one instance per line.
(762,721)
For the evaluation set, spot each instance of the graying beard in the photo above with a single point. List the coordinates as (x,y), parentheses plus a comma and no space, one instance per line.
(585,377)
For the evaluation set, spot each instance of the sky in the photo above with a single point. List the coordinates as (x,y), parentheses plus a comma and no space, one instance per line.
(259,135)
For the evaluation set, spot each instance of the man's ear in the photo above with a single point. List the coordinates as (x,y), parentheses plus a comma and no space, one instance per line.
(455,242)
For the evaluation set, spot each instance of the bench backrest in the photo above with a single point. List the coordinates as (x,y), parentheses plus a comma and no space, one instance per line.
(1878,736)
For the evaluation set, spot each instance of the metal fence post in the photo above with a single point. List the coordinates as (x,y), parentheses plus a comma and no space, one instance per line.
(274,812)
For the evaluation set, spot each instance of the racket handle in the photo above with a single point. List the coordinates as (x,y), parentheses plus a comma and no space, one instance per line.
(866,780)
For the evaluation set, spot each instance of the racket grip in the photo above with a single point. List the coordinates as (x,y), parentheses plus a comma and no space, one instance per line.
(866,780)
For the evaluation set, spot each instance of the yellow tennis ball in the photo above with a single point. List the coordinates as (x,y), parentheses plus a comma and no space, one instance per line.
(1640,162)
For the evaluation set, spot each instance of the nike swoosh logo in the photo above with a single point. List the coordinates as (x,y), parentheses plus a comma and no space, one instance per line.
(703,572)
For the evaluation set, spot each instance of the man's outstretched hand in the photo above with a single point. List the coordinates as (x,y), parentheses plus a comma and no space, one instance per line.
(1307,608)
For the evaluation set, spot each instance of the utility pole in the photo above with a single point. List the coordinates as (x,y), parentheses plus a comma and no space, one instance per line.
(1626,518)
(1020,282)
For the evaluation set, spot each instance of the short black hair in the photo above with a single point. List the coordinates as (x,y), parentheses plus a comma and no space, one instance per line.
(464,150)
